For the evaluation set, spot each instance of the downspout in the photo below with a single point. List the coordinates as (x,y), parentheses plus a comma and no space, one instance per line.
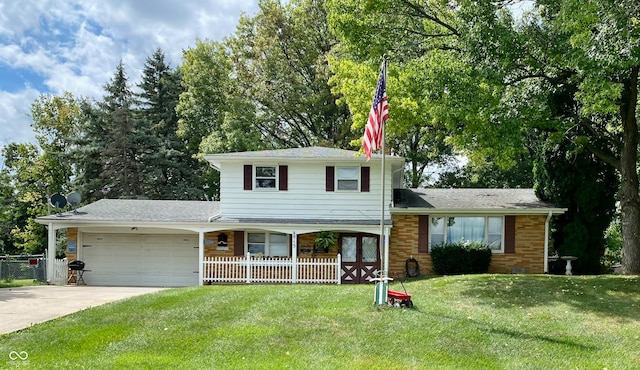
(546,243)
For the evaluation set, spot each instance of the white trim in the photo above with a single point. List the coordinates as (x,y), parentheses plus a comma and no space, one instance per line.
(51,250)
(486,230)
(546,243)
(276,178)
(358,179)
(476,211)
(267,234)
(200,258)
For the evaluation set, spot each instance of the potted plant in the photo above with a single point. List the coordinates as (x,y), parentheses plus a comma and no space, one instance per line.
(326,241)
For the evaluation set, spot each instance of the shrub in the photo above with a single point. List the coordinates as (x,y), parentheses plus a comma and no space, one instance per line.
(461,258)
(613,246)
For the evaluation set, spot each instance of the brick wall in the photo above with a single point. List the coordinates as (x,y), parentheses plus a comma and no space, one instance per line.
(72,236)
(211,244)
(403,244)
(529,248)
(529,252)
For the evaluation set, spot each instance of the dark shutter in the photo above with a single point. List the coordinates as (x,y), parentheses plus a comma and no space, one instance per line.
(330,178)
(509,234)
(248,177)
(365,175)
(238,243)
(283,175)
(423,234)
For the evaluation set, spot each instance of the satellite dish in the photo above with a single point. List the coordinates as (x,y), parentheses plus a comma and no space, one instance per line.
(74,198)
(58,200)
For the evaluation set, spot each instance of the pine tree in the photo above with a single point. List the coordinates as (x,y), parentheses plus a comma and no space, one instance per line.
(120,171)
(169,171)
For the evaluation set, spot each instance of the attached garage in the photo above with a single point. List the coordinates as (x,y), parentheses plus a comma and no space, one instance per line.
(140,260)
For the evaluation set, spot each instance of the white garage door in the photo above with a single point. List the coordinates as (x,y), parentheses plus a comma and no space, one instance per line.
(140,260)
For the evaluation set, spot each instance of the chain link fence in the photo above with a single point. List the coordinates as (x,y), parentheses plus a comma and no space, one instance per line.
(23,268)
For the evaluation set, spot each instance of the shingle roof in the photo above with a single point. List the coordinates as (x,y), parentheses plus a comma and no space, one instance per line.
(406,201)
(124,210)
(471,199)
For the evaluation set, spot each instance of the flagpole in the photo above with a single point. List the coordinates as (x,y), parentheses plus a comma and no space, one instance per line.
(385,254)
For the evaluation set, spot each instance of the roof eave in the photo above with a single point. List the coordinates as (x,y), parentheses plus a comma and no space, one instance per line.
(477,211)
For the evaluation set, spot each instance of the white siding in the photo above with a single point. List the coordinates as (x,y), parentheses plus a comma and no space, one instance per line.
(306,197)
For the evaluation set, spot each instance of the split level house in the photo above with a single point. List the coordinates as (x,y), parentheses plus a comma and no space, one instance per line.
(273,206)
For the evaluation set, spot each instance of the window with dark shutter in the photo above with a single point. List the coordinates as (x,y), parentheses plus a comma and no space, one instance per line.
(365,176)
(509,234)
(330,178)
(248,177)
(283,175)
(423,234)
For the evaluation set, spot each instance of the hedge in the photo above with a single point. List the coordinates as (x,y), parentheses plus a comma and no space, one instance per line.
(461,258)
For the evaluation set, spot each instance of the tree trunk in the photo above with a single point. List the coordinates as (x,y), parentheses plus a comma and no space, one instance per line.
(629,185)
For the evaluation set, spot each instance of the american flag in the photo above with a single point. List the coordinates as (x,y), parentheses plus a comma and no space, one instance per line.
(379,113)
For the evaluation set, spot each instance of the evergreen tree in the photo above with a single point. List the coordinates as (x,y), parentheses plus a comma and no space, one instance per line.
(168,170)
(120,167)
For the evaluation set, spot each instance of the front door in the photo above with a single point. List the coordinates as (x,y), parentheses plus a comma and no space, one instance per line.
(360,258)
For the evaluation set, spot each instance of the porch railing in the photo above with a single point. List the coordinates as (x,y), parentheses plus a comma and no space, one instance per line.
(248,269)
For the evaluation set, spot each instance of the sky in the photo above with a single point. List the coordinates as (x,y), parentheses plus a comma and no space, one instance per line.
(53,46)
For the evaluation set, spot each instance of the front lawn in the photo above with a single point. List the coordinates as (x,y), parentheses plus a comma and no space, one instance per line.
(16,283)
(459,322)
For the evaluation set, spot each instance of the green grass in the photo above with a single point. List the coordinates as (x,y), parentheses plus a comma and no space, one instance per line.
(459,322)
(17,283)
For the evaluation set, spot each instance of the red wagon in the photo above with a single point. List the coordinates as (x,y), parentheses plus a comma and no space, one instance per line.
(399,299)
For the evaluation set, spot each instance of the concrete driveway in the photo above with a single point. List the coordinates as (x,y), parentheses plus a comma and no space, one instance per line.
(25,306)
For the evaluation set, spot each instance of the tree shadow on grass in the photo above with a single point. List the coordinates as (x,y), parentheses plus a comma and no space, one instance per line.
(606,295)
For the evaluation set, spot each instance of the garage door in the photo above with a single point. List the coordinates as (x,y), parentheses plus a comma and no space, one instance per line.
(140,260)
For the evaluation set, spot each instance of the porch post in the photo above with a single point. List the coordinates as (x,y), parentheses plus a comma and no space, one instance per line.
(546,244)
(200,258)
(248,267)
(294,258)
(51,253)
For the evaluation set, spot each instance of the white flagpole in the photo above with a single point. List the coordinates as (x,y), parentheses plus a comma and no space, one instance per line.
(381,289)
(385,254)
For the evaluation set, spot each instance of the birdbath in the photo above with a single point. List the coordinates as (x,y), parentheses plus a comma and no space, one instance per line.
(569,259)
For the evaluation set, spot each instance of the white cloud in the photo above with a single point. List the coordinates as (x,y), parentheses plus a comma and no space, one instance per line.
(75,45)
(15,110)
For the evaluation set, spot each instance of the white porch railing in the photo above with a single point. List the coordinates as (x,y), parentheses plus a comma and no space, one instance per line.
(60,270)
(250,269)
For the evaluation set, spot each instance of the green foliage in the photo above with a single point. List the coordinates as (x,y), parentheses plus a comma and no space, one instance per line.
(489,175)
(281,75)
(461,258)
(613,246)
(168,170)
(205,77)
(574,179)
(326,241)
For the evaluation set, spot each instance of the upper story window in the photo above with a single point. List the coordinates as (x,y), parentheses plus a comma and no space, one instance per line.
(265,177)
(487,230)
(347,178)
